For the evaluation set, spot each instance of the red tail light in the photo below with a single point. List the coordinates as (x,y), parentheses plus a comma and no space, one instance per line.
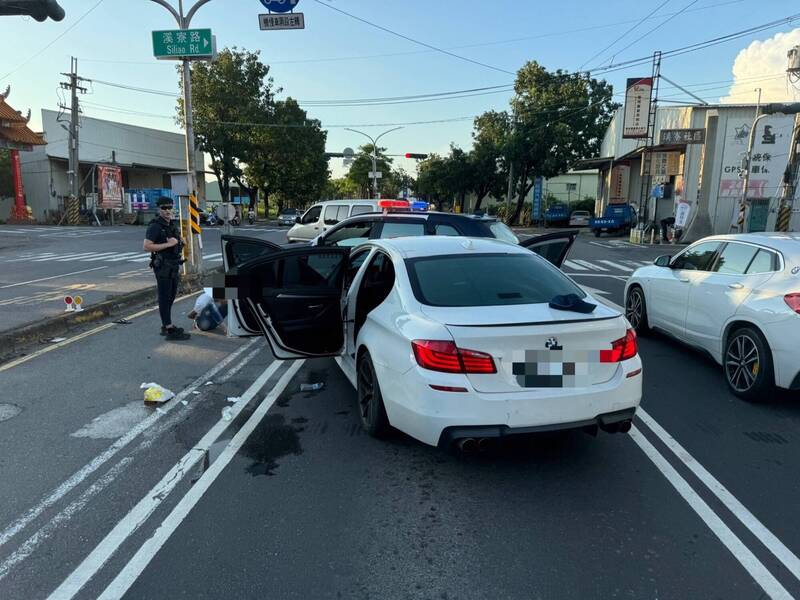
(793,300)
(621,349)
(446,357)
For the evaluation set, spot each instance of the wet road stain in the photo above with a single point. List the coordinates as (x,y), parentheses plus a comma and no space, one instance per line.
(9,411)
(271,440)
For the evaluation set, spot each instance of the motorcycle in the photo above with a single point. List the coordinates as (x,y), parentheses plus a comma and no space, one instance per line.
(251,217)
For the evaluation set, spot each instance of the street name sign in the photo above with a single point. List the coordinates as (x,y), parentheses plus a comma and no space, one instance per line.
(272,22)
(183,43)
(375,174)
(279,6)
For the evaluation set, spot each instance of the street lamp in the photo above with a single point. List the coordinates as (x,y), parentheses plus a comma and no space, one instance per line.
(184,20)
(374,174)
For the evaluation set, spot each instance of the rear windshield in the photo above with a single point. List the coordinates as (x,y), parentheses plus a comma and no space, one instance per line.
(487,280)
(289,211)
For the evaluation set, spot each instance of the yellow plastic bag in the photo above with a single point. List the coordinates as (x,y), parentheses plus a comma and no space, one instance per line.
(156,394)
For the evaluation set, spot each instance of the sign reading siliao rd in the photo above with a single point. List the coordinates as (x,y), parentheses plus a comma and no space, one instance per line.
(183,43)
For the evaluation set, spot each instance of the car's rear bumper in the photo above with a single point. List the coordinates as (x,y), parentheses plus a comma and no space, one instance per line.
(606,420)
(425,414)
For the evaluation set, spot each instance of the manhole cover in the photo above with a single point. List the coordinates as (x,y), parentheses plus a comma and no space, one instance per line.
(9,411)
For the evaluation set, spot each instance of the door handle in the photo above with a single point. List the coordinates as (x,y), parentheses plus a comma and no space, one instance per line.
(735,286)
(315,306)
(684,280)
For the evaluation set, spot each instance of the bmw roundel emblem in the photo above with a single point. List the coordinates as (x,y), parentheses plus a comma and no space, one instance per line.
(795,270)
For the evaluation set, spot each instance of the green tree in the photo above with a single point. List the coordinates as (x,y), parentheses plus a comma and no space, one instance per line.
(287,158)
(229,95)
(362,165)
(559,117)
(342,188)
(489,169)
(432,180)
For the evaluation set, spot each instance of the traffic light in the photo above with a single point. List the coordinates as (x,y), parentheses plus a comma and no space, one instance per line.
(38,9)
(417,156)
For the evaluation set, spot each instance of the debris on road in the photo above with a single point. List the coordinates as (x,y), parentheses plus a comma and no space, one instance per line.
(227,414)
(209,383)
(122,322)
(56,340)
(233,399)
(185,402)
(311,387)
(156,394)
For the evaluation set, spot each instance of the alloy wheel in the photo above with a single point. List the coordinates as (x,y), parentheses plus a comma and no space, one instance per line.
(742,363)
(633,309)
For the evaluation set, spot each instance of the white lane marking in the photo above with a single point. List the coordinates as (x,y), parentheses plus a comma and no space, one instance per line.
(69,257)
(126,256)
(99,460)
(123,581)
(49,258)
(748,519)
(574,265)
(28,258)
(740,552)
(611,263)
(215,255)
(589,265)
(137,516)
(98,256)
(73,508)
(10,285)
(606,275)
(594,291)
(142,259)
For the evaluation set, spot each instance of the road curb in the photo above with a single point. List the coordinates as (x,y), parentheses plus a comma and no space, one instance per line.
(13,340)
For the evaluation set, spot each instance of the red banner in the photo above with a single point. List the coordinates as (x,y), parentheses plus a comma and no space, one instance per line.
(109,180)
(16,176)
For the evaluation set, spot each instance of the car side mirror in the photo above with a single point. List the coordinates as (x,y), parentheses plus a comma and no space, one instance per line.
(662,261)
(297,220)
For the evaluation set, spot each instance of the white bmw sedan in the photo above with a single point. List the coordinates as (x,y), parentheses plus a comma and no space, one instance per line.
(447,339)
(736,297)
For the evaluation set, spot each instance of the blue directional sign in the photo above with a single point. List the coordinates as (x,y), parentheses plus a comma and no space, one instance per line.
(280,6)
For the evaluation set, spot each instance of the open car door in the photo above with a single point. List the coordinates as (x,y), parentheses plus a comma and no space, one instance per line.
(552,246)
(237,250)
(295,296)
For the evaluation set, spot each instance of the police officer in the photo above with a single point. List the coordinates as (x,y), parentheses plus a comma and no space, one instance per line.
(163,241)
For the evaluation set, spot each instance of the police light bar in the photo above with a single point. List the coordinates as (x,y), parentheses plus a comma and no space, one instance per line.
(419,205)
(396,204)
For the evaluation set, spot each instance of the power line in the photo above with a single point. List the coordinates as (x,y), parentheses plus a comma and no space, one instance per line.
(639,22)
(416,52)
(415,41)
(667,20)
(55,39)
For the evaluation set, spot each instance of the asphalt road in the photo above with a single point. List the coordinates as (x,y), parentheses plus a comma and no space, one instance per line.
(40,265)
(106,498)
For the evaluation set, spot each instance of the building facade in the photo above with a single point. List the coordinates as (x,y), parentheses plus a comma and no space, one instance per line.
(697,159)
(146,158)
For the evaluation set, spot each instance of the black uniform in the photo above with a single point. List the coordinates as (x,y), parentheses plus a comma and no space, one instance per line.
(165,265)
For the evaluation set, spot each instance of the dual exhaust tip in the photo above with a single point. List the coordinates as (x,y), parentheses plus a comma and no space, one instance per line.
(470,445)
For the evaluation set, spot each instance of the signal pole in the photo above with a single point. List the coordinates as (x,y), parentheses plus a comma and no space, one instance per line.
(374,141)
(184,21)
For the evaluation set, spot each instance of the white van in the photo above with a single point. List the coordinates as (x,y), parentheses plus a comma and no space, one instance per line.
(324,215)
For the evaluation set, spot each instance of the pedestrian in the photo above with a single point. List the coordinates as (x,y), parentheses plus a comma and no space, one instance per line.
(665,223)
(163,241)
(208,314)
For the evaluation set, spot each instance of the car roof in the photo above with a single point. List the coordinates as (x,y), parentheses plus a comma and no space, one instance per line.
(777,240)
(435,245)
(425,215)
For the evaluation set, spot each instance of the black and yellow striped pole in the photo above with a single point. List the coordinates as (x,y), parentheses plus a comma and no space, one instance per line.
(194,214)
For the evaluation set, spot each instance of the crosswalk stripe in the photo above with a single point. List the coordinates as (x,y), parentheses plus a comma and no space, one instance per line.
(68,257)
(98,256)
(126,256)
(574,265)
(611,263)
(215,255)
(140,259)
(45,255)
(589,265)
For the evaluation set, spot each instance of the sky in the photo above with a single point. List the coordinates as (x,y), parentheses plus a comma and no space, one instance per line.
(338,57)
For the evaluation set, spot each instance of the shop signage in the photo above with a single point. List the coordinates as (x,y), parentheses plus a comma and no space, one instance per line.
(768,160)
(109,180)
(682,136)
(637,107)
(620,178)
(666,164)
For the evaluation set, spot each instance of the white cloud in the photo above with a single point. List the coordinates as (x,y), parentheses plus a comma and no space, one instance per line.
(763,64)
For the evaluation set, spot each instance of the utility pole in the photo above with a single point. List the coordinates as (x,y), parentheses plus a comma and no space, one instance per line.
(184,20)
(74,145)
(374,175)
(647,156)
